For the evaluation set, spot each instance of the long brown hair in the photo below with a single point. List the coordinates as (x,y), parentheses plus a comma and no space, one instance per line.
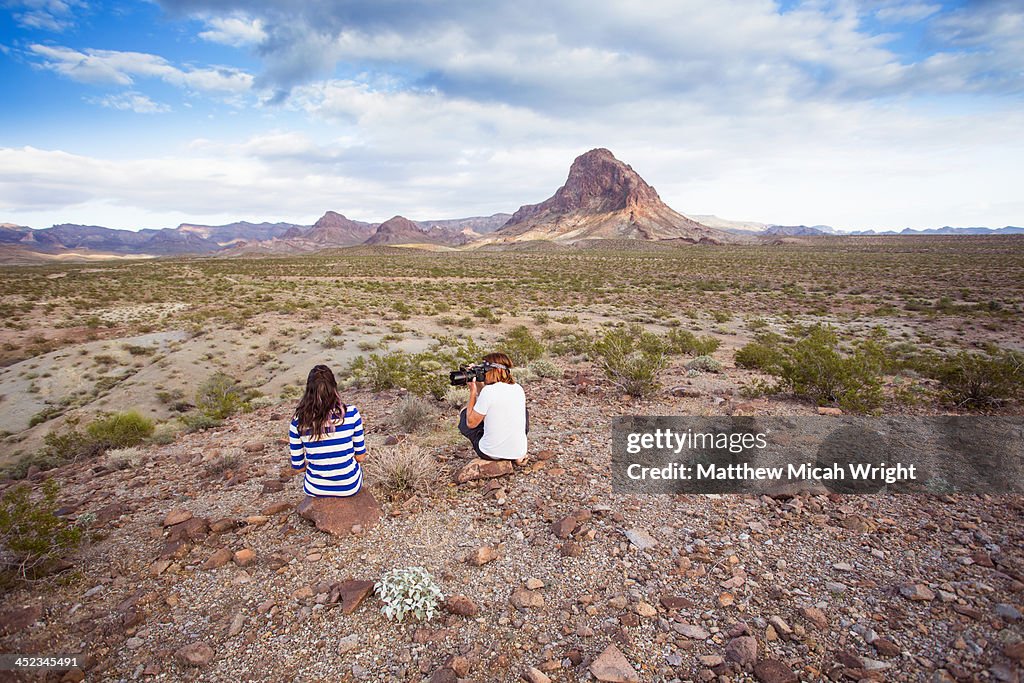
(498,374)
(320,399)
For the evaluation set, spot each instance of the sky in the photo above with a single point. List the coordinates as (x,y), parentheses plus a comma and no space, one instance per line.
(859,114)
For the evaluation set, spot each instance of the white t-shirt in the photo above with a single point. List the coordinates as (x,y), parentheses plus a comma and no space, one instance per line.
(504,409)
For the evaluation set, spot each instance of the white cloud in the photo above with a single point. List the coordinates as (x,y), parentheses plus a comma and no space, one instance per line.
(123,68)
(49,15)
(915,11)
(236,31)
(131,101)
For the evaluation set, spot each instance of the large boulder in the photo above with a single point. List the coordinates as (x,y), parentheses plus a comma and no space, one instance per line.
(337,515)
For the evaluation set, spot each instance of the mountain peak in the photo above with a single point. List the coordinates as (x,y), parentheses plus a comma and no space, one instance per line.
(604,198)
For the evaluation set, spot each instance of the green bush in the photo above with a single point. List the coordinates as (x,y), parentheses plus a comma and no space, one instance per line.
(542,367)
(977,380)
(815,368)
(220,397)
(686,342)
(31,533)
(704,364)
(120,430)
(199,422)
(632,359)
(761,354)
(520,345)
(423,374)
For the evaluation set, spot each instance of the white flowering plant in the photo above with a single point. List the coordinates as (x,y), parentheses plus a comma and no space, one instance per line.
(409,591)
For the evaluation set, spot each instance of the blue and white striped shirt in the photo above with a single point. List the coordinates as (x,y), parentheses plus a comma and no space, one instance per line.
(331,468)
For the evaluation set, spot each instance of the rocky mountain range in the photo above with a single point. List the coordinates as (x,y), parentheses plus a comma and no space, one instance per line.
(602,199)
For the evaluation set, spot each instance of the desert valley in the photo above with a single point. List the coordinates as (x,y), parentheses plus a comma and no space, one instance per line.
(148,379)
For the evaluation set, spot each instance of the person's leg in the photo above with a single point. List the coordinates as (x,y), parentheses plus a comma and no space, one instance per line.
(474,434)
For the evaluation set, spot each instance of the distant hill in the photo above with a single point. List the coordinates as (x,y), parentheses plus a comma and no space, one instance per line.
(401,230)
(945,230)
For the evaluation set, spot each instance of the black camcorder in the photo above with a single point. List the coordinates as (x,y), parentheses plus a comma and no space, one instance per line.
(472,373)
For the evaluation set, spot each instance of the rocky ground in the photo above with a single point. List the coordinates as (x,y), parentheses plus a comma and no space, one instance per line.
(556,576)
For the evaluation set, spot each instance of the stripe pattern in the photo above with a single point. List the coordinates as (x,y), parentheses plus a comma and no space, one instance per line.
(331,468)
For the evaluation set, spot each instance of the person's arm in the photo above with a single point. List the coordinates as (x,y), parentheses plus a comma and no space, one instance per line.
(473,418)
(298,452)
(358,440)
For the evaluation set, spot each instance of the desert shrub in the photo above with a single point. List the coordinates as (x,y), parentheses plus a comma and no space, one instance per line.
(762,354)
(124,458)
(31,533)
(220,396)
(421,373)
(542,367)
(456,396)
(815,368)
(525,375)
(520,345)
(120,430)
(199,422)
(578,343)
(222,464)
(401,470)
(704,364)
(409,591)
(686,342)
(630,363)
(414,413)
(166,432)
(971,379)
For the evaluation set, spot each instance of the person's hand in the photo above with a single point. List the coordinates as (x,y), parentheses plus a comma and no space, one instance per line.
(360,458)
(474,389)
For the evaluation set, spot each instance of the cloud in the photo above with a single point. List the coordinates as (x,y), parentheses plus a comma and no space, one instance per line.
(113,67)
(236,31)
(576,53)
(48,15)
(130,101)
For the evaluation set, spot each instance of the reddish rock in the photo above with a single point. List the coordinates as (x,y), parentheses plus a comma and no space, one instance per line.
(18,619)
(337,516)
(564,527)
(195,654)
(676,602)
(774,671)
(886,647)
(176,516)
(917,591)
(545,454)
(218,559)
(815,616)
(223,524)
(272,486)
(254,447)
(479,468)
(350,593)
(110,513)
(524,598)
(461,605)
(276,508)
(742,650)
(825,410)
(193,529)
(1015,651)
(613,667)
(482,556)
(244,557)
(535,675)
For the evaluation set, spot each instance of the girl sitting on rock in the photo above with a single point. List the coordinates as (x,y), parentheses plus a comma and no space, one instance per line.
(326,438)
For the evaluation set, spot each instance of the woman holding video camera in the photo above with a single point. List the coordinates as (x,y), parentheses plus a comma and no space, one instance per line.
(496,421)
